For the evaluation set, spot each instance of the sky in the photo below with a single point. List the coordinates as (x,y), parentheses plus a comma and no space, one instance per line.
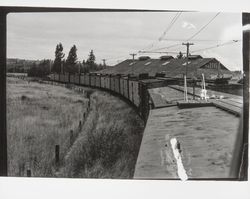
(115,35)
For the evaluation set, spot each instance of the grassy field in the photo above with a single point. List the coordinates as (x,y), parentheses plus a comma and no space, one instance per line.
(109,144)
(40,116)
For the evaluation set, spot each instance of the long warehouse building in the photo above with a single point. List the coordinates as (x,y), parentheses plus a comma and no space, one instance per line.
(171,67)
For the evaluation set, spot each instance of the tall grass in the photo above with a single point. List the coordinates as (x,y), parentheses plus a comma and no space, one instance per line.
(41,116)
(38,118)
(109,143)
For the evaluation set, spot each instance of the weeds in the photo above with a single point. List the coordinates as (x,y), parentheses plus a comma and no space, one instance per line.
(41,116)
(109,143)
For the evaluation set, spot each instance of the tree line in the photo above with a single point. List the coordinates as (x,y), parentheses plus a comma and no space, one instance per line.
(68,65)
(71,65)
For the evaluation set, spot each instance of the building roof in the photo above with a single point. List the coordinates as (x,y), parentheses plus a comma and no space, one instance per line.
(170,67)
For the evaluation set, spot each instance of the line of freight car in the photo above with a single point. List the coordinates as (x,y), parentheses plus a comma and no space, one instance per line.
(131,89)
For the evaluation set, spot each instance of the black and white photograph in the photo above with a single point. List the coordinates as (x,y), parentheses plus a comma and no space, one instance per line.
(124,99)
(125,95)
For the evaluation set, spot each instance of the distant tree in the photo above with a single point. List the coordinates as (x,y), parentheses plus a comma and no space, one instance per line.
(180,55)
(71,61)
(84,67)
(58,59)
(101,66)
(91,61)
(40,70)
(63,66)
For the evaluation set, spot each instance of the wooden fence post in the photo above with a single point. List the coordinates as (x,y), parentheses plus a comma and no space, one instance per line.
(193,89)
(57,154)
(71,137)
(28,173)
(89,103)
(21,169)
(80,125)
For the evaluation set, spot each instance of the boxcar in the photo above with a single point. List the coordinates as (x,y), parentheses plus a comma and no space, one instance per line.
(92,80)
(112,83)
(121,86)
(125,88)
(51,77)
(131,90)
(82,79)
(102,81)
(76,78)
(107,82)
(98,81)
(56,77)
(60,77)
(64,78)
(117,84)
(87,79)
(136,96)
(71,78)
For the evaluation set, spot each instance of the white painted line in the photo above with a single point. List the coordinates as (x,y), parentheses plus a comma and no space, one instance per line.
(180,168)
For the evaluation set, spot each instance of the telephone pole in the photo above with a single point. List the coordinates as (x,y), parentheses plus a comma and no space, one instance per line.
(187,44)
(133,55)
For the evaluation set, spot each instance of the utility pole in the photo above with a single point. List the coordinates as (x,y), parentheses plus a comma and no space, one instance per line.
(133,55)
(104,64)
(187,44)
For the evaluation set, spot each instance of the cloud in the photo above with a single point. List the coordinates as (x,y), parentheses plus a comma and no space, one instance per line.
(188,25)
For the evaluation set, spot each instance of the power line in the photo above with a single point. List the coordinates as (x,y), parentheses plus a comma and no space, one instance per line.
(194,35)
(166,47)
(203,27)
(160,52)
(201,40)
(116,58)
(170,25)
(216,46)
(165,32)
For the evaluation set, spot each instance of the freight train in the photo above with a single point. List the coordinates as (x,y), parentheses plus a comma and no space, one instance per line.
(132,88)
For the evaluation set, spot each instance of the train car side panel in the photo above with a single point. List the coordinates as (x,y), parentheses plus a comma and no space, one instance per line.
(107,82)
(76,78)
(71,78)
(117,84)
(136,96)
(92,80)
(125,88)
(56,77)
(102,81)
(98,81)
(112,83)
(131,91)
(121,86)
(82,79)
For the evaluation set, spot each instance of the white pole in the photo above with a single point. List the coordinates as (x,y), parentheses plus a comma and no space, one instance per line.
(185,89)
(204,87)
